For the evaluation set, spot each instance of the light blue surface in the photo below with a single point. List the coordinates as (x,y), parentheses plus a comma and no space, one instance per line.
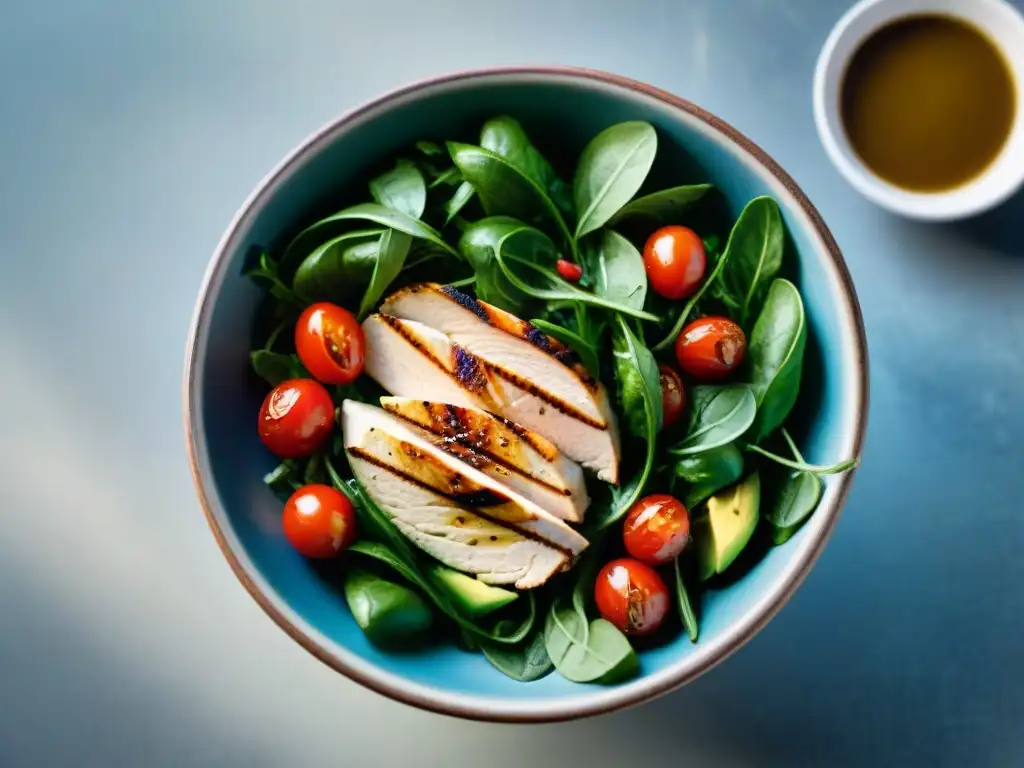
(131,132)
(226,396)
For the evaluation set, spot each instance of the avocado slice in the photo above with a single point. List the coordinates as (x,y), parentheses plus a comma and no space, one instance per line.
(470,594)
(724,530)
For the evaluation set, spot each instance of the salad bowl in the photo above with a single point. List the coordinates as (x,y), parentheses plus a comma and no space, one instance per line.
(565,107)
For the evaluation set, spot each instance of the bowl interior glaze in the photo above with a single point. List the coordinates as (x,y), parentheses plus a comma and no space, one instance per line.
(562,109)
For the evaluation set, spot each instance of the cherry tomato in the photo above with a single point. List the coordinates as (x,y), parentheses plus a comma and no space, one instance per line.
(711,348)
(632,596)
(656,529)
(569,271)
(330,343)
(296,418)
(673,396)
(675,262)
(319,521)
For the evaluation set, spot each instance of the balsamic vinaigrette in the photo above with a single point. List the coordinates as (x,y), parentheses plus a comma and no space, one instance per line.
(928,102)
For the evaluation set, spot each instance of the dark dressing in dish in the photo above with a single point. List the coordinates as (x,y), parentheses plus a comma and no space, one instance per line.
(928,102)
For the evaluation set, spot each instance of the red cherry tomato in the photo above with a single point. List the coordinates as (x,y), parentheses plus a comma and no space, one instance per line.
(673,396)
(569,270)
(330,343)
(675,262)
(296,418)
(319,521)
(711,348)
(656,529)
(631,596)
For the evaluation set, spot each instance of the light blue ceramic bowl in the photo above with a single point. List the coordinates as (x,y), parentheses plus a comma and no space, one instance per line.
(221,400)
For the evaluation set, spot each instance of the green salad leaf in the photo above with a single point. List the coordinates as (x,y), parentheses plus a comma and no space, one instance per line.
(663,205)
(504,136)
(754,252)
(610,171)
(402,189)
(776,355)
(718,416)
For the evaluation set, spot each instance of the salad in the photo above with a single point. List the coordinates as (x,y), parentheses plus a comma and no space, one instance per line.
(533,417)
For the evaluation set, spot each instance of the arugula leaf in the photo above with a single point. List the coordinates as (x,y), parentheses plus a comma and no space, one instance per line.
(267,269)
(610,171)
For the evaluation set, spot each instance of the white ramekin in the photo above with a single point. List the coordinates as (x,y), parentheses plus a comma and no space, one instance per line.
(1003,25)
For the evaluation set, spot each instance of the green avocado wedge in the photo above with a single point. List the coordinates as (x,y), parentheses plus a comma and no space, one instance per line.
(473,596)
(724,529)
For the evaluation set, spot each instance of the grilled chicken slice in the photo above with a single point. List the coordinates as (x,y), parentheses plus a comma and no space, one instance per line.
(557,396)
(523,460)
(454,512)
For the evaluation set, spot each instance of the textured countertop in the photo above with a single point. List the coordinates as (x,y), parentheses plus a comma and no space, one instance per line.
(130,132)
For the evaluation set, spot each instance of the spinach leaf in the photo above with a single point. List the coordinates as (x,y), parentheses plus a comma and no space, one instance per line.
(610,171)
(793,501)
(718,415)
(391,252)
(586,351)
(337,270)
(640,394)
(389,614)
(481,242)
(504,189)
(754,250)
(776,355)
(709,472)
(336,223)
(639,383)
(605,656)
(525,663)
(663,205)
(402,189)
(505,136)
(459,200)
(384,554)
(619,271)
(686,612)
(677,327)
(274,368)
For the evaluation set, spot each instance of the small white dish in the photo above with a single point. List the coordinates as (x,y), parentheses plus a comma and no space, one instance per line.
(1003,25)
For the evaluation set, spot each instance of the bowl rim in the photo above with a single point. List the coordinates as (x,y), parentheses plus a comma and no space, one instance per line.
(601,700)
